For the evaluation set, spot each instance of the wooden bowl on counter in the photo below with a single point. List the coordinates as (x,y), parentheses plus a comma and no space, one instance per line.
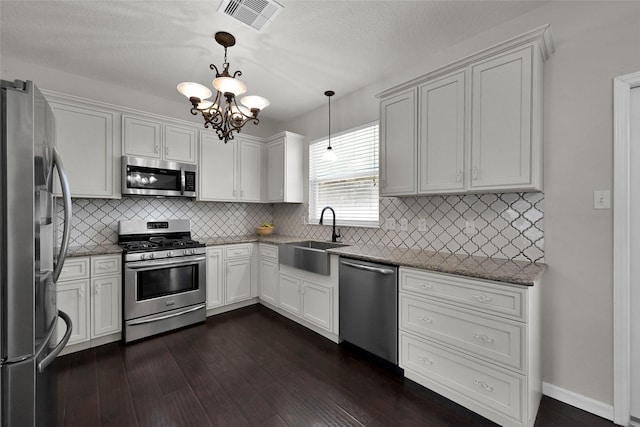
(264,231)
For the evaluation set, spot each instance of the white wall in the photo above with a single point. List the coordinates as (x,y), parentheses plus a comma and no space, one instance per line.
(595,42)
(93,88)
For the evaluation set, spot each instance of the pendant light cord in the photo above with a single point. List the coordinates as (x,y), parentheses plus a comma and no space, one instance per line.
(329,121)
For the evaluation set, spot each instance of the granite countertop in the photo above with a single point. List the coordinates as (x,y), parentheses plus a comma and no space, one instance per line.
(496,269)
(500,270)
(92,250)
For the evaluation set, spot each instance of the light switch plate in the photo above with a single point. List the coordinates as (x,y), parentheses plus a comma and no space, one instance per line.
(602,199)
(404,224)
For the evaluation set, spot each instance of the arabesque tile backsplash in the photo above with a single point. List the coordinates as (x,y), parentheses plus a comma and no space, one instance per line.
(509,225)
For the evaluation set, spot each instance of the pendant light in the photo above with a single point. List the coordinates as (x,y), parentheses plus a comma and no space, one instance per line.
(329,155)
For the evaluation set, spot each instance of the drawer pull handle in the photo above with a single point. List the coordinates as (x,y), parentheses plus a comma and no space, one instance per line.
(425,360)
(424,319)
(426,285)
(482,298)
(484,385)
(484,338)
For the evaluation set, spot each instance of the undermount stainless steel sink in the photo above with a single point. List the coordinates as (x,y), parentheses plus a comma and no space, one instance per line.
(309,255)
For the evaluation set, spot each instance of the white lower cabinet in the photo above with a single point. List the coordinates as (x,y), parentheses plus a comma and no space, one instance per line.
(310,297)
(230,275)
(89,291)
(215,277)
(73,299)
(268,273)
(474,341)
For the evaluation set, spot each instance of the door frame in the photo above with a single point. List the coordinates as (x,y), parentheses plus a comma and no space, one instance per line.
(621,247)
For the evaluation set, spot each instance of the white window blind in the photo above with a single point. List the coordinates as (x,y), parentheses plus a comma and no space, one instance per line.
(349,184)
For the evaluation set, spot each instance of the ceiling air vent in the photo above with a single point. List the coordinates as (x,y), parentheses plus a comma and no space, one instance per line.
(255,13)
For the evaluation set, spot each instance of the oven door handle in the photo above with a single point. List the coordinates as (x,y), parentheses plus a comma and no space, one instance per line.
(165,316)
(152,264)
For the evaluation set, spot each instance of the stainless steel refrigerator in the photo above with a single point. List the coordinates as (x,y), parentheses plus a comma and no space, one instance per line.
(28,267)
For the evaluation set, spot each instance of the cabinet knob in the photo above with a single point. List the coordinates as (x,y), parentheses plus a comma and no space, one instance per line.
(81,292)
(459,175)
(98,287)
(156,149)
(166,151)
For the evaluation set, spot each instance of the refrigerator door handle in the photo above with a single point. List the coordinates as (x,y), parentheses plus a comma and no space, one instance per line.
(66,197)
(63,342)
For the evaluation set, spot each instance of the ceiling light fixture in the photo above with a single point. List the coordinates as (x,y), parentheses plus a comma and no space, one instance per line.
(224,114)
(329,155)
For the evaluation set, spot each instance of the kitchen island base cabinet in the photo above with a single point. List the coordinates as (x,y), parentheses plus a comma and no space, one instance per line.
(476,342)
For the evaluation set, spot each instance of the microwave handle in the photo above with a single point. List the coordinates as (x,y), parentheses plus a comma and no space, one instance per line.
(183,181)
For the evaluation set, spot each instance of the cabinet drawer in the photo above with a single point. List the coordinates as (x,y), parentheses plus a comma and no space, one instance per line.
(75,268)
(484,388)
(476,294)
(238,251)
(494,339)
(103,265)
(268,251)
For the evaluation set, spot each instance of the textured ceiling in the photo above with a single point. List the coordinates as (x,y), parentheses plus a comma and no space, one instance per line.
(312,46)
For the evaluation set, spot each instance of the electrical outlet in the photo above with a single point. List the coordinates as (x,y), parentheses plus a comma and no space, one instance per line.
(422,224)
(304,220)
(404,224)
(390,224)
(470,228)
(232,221)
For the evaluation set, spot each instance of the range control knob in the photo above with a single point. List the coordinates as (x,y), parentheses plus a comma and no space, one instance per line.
(143,256)
(185,252)
(169,254)
(151,256)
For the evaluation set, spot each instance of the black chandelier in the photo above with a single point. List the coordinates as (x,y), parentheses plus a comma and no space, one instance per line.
(224,114)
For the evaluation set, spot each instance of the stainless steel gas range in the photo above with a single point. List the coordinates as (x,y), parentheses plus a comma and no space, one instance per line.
(164,284)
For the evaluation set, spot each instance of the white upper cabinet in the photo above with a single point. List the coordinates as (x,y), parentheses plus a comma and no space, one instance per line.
(152,138)
(441,136)
(230,172)
(398,143)
(284,168)
(180,144)
(478,123)
(251,159)
(217,171)
(502,142)
(88,146)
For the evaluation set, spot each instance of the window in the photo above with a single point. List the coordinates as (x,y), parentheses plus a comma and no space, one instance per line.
(349,184)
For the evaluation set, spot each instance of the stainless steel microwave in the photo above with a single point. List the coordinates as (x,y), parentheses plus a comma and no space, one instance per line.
(149,177)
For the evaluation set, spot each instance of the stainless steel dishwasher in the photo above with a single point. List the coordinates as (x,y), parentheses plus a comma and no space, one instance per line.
(369,307)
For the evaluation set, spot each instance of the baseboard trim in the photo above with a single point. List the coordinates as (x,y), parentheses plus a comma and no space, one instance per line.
(588,404)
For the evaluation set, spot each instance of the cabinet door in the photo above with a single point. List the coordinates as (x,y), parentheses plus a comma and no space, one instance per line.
(238,280)
(275,189)
(73,299)
(501,126)
(179,144)
(84,139)
(289,294)
(141,137)
(215,278)
(398,144)
(317,304)
(269,281)
(441,135)
(217,168)
(105,305)
(250,171)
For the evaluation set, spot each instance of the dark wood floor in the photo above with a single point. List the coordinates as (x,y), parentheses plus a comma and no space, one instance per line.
(252,367)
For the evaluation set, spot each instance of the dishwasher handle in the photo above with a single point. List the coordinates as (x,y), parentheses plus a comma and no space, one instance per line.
(368,268)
